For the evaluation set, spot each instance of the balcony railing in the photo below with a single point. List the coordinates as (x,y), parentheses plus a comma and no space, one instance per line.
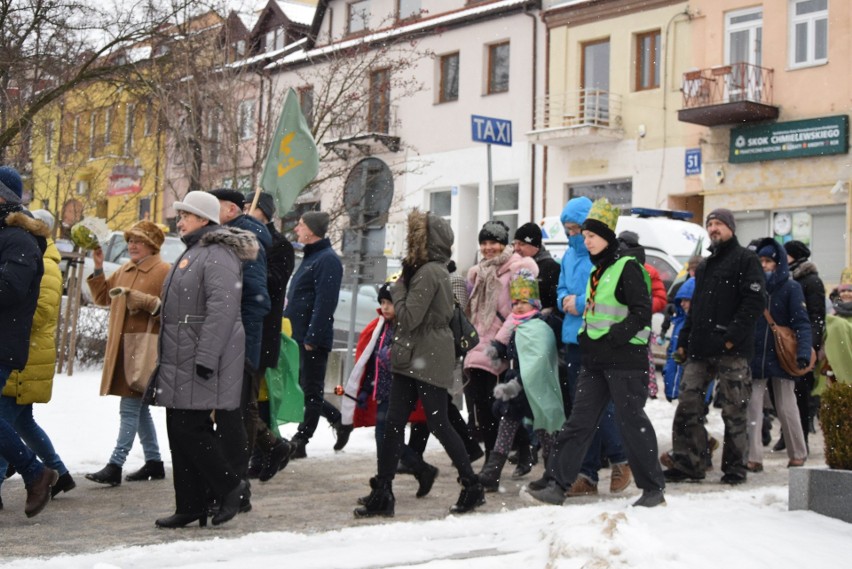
(739,92)
(586,107)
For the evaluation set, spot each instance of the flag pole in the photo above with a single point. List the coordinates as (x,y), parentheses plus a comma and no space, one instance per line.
(255,199)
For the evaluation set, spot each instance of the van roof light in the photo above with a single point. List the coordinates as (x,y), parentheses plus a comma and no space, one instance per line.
(669,213)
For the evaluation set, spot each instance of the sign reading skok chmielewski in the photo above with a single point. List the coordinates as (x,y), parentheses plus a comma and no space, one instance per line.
(795,139)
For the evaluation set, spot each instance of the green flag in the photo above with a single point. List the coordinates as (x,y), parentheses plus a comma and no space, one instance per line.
(292,161)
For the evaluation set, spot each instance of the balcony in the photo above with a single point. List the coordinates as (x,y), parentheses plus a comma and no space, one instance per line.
(727,94)
(587,116)
(360,133)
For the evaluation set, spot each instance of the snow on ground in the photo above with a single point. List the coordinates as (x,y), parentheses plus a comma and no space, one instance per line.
(738,528)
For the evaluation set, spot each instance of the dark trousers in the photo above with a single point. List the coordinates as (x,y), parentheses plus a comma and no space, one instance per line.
(479,396)
(233,427)
(628,389)
(198,462)
(312,366)
(403,397)
(803,388)
(419,432)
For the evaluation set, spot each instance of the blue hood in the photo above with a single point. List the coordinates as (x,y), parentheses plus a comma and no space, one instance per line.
(686,290)
(781,274)
(576,210)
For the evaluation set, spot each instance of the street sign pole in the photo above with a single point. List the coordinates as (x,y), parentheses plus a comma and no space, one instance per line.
(491,130)
(490,184)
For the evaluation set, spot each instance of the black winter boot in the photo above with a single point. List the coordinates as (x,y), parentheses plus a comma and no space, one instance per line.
(109,474)
(425,475)
(255,463)
(151,470)
(380,502)
(65,483)
(472,495)
(277,459)
(525,462)
(489,476)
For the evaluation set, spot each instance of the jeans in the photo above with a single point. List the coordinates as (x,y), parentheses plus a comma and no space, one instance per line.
(21,418)
(135,418)
(312,366)
(12,448)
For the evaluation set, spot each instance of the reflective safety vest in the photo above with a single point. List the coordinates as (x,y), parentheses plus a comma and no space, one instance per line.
(600,315)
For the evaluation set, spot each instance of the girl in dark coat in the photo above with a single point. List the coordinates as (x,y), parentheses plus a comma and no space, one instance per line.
(786,305)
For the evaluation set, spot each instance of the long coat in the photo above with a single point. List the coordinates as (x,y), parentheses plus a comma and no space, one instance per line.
(201,324)
(34,383)
(148,277)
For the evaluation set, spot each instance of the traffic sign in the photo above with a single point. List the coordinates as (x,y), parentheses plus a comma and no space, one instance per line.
(692,161)
(491,130)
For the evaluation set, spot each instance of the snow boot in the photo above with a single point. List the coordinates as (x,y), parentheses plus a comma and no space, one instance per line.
(425,475)
(380,502)
(489,476)
(472,495)
(525,462)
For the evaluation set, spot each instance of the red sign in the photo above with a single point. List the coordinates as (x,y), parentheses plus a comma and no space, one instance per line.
(124,180)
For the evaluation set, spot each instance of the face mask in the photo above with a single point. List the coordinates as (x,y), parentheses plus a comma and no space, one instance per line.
(576,241)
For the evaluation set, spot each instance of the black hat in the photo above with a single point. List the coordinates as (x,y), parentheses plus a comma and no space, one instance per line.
(769,252)
(726,216)
(232,196)
(384,292)
(317,222)
(494,230)
(529,233)
(266,204)
(797,250)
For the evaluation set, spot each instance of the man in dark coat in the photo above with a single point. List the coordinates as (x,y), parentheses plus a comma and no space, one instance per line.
(21,269)
(527,243)
(280,262)
(311,302)
(717,342)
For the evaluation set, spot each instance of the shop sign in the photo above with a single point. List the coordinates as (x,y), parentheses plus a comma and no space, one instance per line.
(795,139)
(124,180)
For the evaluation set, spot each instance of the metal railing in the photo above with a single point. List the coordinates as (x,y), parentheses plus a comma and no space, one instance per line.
(727,84)
(586,107)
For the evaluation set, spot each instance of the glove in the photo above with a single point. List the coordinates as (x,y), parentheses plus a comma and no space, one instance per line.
(491,352)
(203,372)
(363,397)
(508,390)
(138,300)
(803,363)
(407,273)
(118,291)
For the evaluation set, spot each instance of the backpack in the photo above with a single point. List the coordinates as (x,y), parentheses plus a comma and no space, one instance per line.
(465,337)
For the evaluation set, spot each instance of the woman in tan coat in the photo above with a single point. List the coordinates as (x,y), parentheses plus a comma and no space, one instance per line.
(133,296)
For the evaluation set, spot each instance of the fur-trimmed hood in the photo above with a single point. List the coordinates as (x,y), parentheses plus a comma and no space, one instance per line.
(803,269)
(243,243)
(28,223)
(430,238)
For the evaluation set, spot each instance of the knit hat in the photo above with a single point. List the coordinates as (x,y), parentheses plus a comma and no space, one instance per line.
(726,216)
(146,231)
(317,222)
(45,217)
(232,196)
(529,233)
(266,204)
(797,250)
(602,219)
(524,286)
(384,292)
(846,276)
(11,186)
(494,230)
(202,204)
(769,252)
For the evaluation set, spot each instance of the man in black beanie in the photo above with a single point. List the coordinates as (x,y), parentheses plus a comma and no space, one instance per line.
(527,243)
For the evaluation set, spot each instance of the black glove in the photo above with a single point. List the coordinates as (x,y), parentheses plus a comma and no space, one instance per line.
(408,273)
(203,372)
(803,363)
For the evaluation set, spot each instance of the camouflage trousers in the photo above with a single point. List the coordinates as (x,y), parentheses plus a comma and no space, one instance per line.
(689,438)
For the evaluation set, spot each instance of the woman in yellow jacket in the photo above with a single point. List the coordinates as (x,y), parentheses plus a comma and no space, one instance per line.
(133,295)
(34,383)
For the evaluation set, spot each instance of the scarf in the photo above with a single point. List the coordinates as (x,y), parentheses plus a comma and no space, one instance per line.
(518,319)
(841,308)
(486,291)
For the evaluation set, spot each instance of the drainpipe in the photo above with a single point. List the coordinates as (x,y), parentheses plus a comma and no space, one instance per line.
(532,112)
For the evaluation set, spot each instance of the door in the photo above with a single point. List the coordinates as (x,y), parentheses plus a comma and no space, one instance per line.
(743,53)
(594,90)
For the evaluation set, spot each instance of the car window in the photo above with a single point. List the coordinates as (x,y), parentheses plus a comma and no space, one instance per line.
(668,272)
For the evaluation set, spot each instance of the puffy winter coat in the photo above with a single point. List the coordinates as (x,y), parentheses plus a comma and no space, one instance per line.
(146,277)
(313,295)
(729,296)
(576,268)
(486,319)
(806,274)
(22,244)
(786,305)
(423,346)
(200,322)
(34,383)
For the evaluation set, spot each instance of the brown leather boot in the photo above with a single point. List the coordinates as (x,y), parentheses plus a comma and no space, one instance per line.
(621,478)
(38,493)
(582,487)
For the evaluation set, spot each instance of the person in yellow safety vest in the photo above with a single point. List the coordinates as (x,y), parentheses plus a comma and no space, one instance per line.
(613,340)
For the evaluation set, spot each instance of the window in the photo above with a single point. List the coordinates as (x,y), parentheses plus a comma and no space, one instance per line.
(358,16)
(498,68)
(648,60)
(274,39)
(107,126)
(93,129)
(379,111)
(594,71)
(440,203)
(808,32)
(240,48)
(48,141)
(149,118)
(506,205)
(408,9)
(449,87)
(246,119)
(129,125)
(306,104)
(214,128)
(619,192)
(75,134)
